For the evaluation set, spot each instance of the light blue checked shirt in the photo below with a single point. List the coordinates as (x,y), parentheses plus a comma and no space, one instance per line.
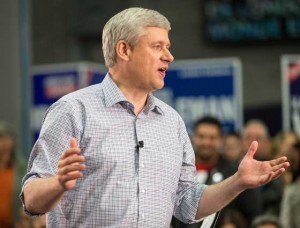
(122,186)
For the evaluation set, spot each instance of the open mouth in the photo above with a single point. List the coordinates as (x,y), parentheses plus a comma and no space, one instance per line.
(162,70)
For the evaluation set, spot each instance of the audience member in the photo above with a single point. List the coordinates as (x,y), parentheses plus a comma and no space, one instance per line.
(231,219)
(283,143)
(212,167)
(233,147)
(12,169)
(256,129)
(290,205)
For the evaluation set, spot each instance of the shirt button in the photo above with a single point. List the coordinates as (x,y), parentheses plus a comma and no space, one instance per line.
(142,165)
(143,215)
(143,191)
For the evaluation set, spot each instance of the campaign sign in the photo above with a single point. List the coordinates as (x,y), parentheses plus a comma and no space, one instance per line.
(196,88)
(290,65)
(51,82)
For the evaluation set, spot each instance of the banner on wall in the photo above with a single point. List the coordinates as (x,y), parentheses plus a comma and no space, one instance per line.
(52,81)
(290,67)
(196,88)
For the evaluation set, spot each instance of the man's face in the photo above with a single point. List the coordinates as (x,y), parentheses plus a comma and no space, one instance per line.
(256,132)
(149,59)
(232,147)
(207,141)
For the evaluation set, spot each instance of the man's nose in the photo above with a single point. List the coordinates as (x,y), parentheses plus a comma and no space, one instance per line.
(168,56)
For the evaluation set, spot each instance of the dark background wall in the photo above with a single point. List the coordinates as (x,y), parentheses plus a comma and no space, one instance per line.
(70,30)
(10,71)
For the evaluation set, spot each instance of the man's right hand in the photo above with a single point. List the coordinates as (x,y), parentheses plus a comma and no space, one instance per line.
(70,166)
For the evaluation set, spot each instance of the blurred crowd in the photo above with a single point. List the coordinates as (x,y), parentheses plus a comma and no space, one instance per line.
(276,204)
(218,154)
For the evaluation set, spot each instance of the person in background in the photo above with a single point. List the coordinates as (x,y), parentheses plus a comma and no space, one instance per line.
(282,145)
(266,221)
(233,147)
(113,155)
(12,169)
(290,205)
(231,219)
(256,129)
(283,141)
(212,167)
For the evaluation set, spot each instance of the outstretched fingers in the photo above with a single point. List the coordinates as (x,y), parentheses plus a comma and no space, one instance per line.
(277,167)
(281,160)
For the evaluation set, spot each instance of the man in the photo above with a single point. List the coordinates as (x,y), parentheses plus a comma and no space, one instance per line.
(233,147)
(256,129)
(129,162)
(211,166)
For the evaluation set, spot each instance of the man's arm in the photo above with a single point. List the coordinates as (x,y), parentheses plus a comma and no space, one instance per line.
(251,174)
(43,194)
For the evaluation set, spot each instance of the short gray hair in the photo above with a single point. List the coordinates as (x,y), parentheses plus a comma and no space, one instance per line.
(129,25)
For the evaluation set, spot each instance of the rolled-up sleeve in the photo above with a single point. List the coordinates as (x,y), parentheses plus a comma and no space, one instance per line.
(58,128)
(189,191)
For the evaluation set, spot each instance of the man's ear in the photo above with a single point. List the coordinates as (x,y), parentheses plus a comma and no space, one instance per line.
(123,50)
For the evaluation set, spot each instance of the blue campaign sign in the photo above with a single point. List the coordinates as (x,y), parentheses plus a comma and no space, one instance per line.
(290,65)
(51,82)
(48,87)
(196,88)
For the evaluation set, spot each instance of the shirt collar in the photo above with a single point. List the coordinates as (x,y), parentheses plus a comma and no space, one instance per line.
(113,95)
(152,105)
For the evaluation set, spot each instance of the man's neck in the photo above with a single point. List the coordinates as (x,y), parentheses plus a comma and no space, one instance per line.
(134,95)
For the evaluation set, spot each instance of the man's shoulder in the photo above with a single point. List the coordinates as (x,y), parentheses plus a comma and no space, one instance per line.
(79,99)
(84,93)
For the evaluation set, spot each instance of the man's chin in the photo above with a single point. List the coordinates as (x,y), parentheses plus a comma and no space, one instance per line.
(158,86)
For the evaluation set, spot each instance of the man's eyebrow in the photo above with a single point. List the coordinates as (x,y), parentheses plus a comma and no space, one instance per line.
(168,44)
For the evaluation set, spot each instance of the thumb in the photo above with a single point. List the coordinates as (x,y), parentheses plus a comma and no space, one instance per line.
(252,149)
(73,142)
